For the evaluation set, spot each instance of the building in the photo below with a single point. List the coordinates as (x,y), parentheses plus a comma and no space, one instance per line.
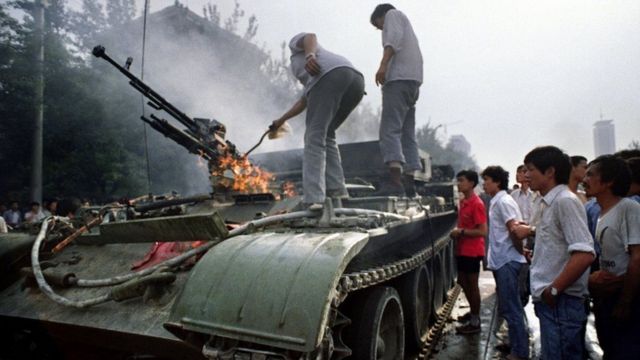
(604,138)
(460,144)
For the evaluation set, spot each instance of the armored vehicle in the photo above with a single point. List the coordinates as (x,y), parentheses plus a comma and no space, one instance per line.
(236,274)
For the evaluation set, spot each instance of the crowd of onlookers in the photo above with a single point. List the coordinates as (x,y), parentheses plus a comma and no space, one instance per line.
(15,215)
(568,237)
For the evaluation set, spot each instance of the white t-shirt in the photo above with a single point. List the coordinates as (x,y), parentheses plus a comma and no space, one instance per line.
(616,230)
(406,63)
(326,59)
(502,209)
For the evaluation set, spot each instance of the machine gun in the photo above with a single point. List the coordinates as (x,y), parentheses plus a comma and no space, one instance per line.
(202,137)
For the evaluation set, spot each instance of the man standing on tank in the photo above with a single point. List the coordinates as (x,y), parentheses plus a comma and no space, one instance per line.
(400,74)
(469,234)
(332,89)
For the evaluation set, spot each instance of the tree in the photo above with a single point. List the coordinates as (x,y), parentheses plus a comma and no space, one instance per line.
(427,139)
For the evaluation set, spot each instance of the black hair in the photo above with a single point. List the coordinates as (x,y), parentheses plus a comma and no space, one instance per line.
(627,154)
(469,175)
(615,170)
(34,203)
(521,167)
(380,11)
(634,166)
(497,174)
(545,157)
(577,159)
(69,206)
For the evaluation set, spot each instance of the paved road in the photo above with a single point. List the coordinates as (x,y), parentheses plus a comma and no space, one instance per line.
(482,346)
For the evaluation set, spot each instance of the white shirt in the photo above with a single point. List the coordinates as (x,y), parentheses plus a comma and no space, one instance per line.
(616,230)
(3,226)
(406,63)
(561,231)
(326,59)
(525,200)
(502,209)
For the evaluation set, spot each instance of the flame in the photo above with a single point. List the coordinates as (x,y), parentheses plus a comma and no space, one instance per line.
(242,176)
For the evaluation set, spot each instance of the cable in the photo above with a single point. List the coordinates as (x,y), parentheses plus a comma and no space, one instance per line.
(144,129)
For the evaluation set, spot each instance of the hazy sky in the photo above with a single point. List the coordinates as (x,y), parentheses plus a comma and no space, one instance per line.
(508,75)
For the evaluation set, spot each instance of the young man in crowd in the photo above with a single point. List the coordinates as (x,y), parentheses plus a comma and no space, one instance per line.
(34,214)
(13,216)
(563,253)
(578,170)
(614,287)
(470,232)
(505,257)
(524,196)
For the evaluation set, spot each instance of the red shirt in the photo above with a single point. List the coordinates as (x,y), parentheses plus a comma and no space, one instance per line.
(472,213)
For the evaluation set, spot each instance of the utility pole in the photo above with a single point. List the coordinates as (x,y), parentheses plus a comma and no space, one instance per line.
(36,160)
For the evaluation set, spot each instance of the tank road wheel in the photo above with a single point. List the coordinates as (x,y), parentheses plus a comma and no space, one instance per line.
(415,292)
(439,279)
(379,327)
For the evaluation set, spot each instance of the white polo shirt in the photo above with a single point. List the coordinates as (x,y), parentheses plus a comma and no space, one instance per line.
(502,209)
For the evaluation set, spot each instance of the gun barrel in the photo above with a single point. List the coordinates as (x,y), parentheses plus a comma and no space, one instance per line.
(187,141)
(161,103)
(144,207)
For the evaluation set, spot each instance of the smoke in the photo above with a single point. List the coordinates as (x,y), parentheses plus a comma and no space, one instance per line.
(208,72)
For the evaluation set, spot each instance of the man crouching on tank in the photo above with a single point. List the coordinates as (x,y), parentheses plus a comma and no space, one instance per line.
(332,89)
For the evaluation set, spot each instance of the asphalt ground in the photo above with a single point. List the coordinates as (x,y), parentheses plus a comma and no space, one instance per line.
(494,330)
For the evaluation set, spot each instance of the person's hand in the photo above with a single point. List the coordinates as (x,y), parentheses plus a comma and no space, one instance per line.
(312,66)
(528,254)
(455,233)
(275,125)
(381,75)
(547,298)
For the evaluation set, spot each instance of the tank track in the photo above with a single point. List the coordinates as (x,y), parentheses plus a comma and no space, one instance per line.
(431,339)
(363,279)
(352,282)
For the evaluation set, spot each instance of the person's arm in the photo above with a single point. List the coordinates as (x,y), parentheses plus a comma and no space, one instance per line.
(479,230)
(310,46)
(381,74)
(578,263)
(622,309)
(517,243)
(296,109)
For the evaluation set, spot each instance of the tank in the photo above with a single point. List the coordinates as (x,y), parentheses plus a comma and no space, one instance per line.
(236,274)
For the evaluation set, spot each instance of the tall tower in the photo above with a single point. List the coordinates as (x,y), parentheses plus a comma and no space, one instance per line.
(604,138)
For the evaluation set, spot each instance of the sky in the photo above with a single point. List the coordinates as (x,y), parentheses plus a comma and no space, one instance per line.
(508,75)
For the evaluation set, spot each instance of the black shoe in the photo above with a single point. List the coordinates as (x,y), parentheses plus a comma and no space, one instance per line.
(468,329)
(464,318)
(409,184)
(503,348)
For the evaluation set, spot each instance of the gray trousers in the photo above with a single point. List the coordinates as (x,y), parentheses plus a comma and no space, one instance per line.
(329,103)
(398,123)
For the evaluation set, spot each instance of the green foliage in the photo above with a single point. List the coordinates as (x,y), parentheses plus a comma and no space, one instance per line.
(75,125)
